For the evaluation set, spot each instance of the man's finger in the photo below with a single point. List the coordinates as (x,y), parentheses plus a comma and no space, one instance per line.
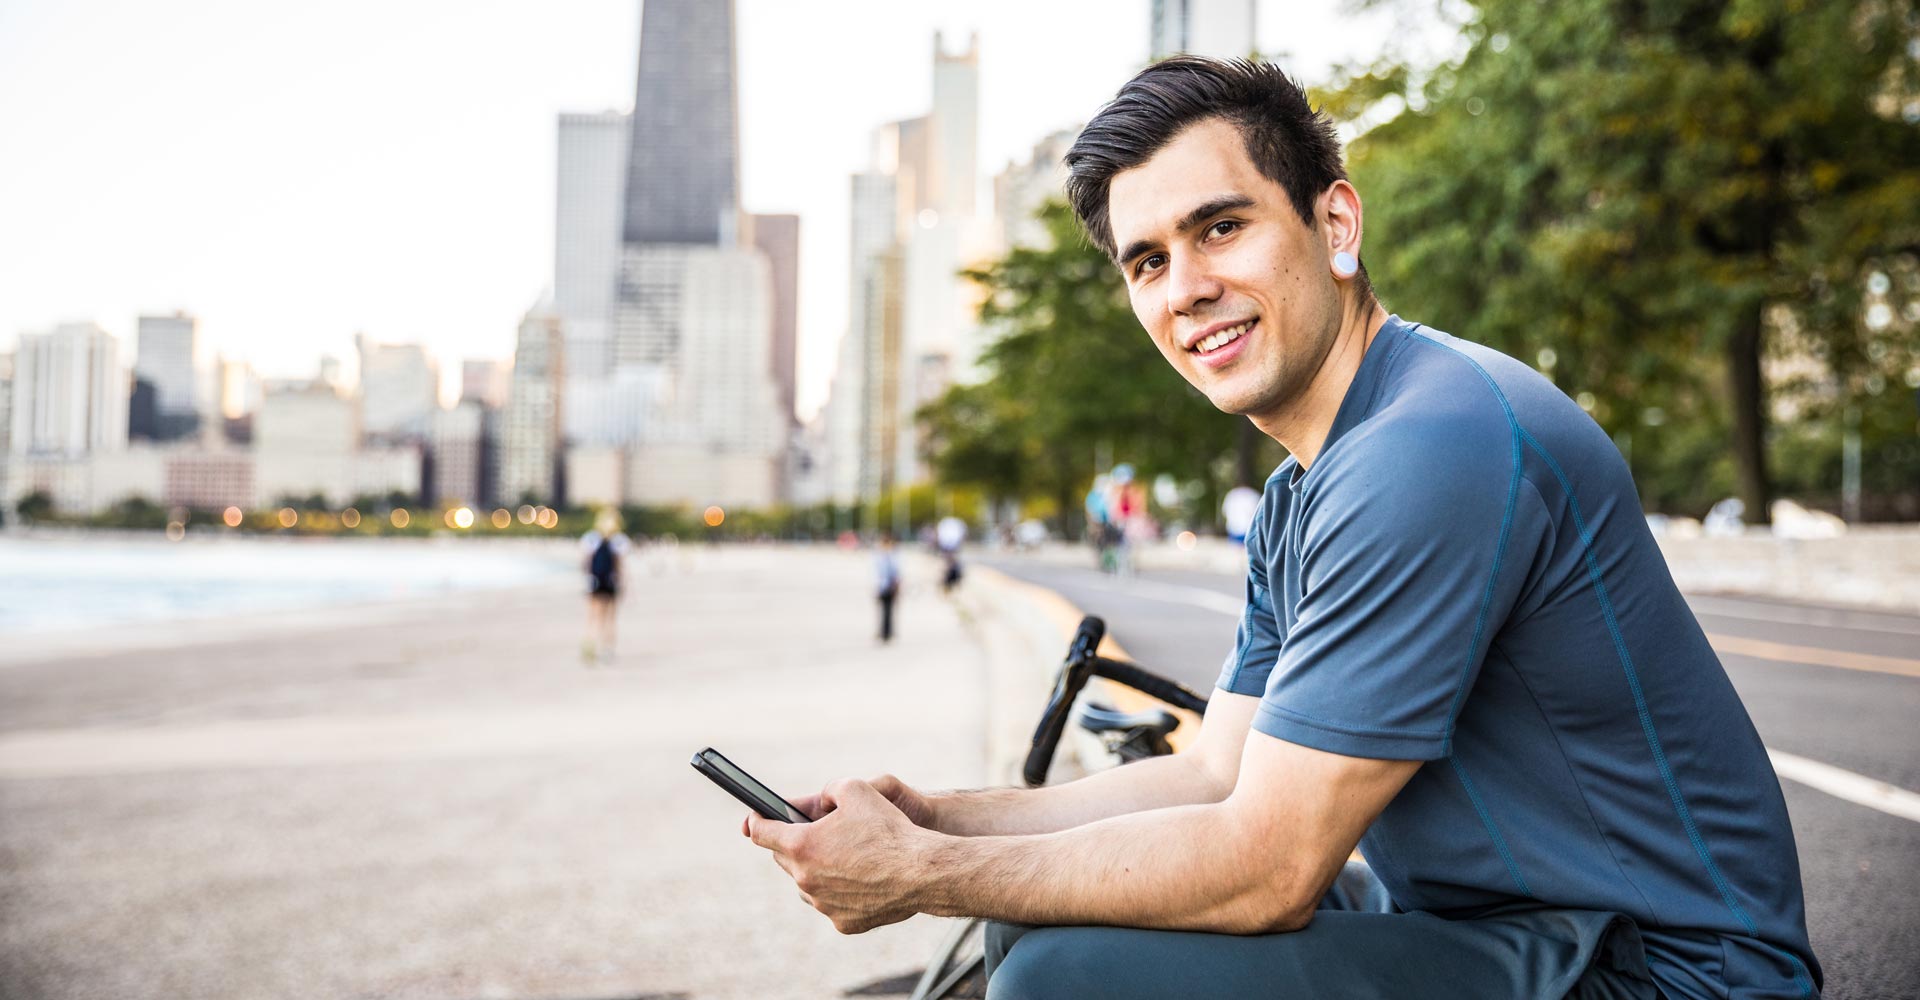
(772,834)
(811,805)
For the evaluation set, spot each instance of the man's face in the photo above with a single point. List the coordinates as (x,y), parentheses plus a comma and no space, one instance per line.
(1232,285)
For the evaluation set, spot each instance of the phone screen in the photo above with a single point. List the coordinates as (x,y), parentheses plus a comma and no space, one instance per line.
(758,790)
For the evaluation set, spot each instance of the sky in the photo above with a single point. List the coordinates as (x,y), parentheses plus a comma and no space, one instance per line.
(293,174)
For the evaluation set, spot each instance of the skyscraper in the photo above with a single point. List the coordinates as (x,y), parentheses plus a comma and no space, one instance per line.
(778,236)
(165,359)
(530,426)
(69,393)
(683,174)
(399,390)
(1222,29)
(692,342)
(590,178)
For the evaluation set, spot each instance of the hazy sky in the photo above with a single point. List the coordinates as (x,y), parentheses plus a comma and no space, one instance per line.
(293,173)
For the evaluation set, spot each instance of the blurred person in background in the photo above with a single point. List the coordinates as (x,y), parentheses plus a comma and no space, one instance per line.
(603,550)
(1237,509)
(886,569)
(950,534)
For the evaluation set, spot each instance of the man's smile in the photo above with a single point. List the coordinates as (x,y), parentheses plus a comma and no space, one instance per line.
(1222,342)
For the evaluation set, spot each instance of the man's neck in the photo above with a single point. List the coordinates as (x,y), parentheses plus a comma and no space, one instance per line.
(1303,426)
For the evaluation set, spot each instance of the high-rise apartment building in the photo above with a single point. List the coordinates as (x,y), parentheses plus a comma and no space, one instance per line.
(1020,190)
(530,426)
(459,448)
(164,358)
(485,381)
(1222,29)
(399,390)
(69,392)
(305,440)
(590,181)
(778,237)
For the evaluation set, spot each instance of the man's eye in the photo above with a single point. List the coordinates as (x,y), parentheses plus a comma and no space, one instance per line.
(1223,227)
(1152,262)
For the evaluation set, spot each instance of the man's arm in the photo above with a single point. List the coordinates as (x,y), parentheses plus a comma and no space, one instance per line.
(1256,861)
(1204,772)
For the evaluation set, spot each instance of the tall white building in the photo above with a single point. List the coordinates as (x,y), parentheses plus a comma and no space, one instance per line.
(713,430)
(1022,188)
(1222,29)
(590,182)
(459,449)
(164,358)
(69,393)
(531,423)
(305,440)
(913,319)
(399,390)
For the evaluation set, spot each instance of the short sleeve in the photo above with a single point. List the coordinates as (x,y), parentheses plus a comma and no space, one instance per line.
(1256,646)
(1408,568)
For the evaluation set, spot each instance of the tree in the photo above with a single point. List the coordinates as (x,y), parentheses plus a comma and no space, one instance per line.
(1071,375)
(1619,190)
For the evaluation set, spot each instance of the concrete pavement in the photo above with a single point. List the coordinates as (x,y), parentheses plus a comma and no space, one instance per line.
(440,801)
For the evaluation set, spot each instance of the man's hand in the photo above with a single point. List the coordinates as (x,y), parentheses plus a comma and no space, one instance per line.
(904,797)
(856,862)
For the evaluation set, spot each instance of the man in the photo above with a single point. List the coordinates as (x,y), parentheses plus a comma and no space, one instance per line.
(1459,640)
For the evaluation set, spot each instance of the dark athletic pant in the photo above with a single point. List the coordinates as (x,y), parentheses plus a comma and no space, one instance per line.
(1356,947)
(886,614)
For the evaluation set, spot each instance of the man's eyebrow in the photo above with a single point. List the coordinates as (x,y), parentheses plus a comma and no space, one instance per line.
(1206,210)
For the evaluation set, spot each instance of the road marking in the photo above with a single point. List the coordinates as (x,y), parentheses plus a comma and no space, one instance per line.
(1761,649)
(1842,784)
(1840,619)
(1180,593)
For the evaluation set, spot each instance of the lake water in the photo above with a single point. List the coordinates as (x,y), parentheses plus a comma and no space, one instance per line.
(49,584)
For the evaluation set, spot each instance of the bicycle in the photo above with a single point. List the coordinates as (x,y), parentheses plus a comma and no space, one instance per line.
(957,968)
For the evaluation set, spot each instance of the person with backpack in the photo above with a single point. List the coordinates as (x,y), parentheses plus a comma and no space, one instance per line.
(604,549)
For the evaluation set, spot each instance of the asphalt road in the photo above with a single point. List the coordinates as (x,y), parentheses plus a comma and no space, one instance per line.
(1860,865)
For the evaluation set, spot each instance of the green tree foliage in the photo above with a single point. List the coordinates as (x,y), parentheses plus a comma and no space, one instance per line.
(1641,196)
(1072,376)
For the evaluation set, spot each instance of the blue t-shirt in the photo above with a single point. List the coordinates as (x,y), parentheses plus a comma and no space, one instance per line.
(1464,577)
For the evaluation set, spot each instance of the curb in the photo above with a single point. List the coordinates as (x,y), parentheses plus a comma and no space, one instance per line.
(1024,629)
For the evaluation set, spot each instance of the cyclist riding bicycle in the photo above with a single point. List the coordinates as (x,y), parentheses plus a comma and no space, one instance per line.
(1460,641)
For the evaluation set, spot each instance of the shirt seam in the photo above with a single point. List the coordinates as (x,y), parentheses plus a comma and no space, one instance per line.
(1648,729)
(1574,774)
(1506,529)
(1290,715)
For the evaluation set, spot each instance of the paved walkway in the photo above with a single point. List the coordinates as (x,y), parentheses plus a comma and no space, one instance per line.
(440,801)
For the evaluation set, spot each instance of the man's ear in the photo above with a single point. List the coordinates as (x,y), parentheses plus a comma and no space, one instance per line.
(1341,212)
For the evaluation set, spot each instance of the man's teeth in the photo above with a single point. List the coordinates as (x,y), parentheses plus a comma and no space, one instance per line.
(1222,339)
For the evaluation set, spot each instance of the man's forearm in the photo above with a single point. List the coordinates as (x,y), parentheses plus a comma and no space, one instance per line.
(1177,868)
(1149,784)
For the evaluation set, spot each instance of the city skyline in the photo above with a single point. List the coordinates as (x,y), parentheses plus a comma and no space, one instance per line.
(294,212)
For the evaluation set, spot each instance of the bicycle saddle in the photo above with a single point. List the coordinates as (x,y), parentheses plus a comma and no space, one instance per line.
(1098,718)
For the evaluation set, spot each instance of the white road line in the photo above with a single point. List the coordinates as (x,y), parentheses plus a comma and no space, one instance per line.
(1839,619)
(1837,782)
(1199,597)
(1841,784)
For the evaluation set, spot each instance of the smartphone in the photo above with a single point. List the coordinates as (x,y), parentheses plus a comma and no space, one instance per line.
(742,785)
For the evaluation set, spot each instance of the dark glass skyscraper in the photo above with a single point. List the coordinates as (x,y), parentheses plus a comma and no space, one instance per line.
(683,177)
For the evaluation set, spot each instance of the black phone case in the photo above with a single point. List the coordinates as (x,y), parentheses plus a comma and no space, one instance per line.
(746,796)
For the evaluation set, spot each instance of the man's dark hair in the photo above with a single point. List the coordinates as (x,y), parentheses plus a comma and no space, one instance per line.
(1288,141)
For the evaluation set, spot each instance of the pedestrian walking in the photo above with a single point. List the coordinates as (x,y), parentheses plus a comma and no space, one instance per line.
(887,569)
(604,549)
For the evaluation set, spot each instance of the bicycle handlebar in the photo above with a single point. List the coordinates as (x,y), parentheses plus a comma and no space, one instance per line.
(1080,664)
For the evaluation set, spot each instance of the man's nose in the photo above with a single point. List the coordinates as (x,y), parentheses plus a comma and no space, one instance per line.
(1191,283)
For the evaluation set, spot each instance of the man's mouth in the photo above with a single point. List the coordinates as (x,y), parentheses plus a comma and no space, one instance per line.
(1221,338)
